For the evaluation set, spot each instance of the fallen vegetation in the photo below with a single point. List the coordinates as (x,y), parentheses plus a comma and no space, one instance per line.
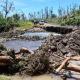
(2,77)
(56,49)
(52,56)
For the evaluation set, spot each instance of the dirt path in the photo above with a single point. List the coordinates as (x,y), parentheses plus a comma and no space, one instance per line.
(41,77)
(49,24)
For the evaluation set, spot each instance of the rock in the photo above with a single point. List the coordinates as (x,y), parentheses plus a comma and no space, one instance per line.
(53,48)
(36,30)
(24,50)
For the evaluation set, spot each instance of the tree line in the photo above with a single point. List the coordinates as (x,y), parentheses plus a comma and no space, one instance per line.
(9,22)
(45,13)
(69,16)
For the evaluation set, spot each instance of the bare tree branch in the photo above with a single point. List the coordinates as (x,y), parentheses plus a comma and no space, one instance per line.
(7,7)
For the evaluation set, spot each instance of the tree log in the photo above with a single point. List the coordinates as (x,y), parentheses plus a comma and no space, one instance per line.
(73,67)
(6,60)
(63,64)
(75,58)
(24,50)
(66,60)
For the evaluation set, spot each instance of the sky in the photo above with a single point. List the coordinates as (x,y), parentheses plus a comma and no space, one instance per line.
(27,6)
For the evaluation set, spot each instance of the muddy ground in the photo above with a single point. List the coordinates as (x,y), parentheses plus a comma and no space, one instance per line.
(51,54)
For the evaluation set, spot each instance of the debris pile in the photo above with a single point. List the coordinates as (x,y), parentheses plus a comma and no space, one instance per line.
(9,59)
(34,64)
(52,56)
(57,49)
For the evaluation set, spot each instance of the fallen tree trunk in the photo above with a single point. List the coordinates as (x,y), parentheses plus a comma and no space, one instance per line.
(73,67)
(5,60)
(75,58)
(4,57)
(8,57)
(63,64)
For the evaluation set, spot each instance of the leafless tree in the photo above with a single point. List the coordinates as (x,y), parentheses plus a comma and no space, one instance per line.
(46,13)
(7,7)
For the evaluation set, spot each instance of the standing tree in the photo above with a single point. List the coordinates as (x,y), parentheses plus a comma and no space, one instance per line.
(51,12)
(38,15)
(7,7)
(42,14)
(31,16)
(46,13)
(60,12)
(34,15)
(23,17)
(16,17)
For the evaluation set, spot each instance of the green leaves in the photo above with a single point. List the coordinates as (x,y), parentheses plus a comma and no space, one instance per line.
(72,19)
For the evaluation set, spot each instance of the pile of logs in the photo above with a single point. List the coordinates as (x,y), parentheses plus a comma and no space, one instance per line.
(71,67)
(6,59)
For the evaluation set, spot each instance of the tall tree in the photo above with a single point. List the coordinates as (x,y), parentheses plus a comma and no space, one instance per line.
(23,16)
(46,13)
(7,7)
(51,12)
(60,12)
(31,16)
(42,14)
(16,17)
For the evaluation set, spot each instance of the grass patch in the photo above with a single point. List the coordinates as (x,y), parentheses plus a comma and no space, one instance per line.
(53,21)
(25,25)
(3,77)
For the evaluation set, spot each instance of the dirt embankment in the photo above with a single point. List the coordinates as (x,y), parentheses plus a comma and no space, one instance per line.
(51,54)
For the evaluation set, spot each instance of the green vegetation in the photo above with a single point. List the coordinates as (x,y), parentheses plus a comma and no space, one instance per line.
(71,17)
(2,48)
(3,77)
(25,24)
(9,23)
(16,20)
(53,21)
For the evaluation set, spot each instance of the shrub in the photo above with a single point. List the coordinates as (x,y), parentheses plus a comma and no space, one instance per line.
(35,64)
(2,47)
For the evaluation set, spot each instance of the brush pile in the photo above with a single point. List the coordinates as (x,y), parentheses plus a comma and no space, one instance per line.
(52,56)
(52,53)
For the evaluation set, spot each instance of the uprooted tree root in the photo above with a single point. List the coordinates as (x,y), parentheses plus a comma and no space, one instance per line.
(35,64)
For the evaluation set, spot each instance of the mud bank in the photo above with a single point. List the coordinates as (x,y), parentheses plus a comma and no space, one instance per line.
(51,54)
